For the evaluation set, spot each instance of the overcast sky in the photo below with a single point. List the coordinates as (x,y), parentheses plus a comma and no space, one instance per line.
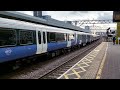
(78,15)
(74,15)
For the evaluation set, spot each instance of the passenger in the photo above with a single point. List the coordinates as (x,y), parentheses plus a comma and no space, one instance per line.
(114,39)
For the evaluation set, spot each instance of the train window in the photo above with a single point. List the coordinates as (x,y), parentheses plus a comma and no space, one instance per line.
(52,37)
(39,37)
(7,37)
(83,37)
(71,37)
(26,37)
(68,37)
(48,37)
(65,36)
(44,40)
(78,37)
(60,37)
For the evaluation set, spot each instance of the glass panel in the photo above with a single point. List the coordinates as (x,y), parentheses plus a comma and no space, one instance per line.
(39,37)
(26,37)
(78,37)
(44,40)
(60,37)
(71,37)
(48,37)
(7,37)
(52,37)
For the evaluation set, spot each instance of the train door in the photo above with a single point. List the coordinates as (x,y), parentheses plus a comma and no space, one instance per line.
(80,38)
(41,42)
(76,36)
(86,38)
(44,41)
(68,40)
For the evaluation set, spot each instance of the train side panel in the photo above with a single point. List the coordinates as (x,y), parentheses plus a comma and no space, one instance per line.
(56,45)
(13,53)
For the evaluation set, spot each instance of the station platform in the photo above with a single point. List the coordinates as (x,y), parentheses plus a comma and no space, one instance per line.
(101,63)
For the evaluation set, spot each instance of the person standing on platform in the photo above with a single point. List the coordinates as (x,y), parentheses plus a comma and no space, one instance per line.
(114,39)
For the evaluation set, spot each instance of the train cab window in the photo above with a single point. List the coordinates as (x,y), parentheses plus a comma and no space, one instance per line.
(7,37)
(44,40)
(26,37)
(39,37)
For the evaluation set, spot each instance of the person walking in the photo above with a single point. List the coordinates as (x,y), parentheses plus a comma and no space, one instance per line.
(114,39)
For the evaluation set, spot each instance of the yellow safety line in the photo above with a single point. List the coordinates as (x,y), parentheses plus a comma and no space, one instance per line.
(86,63)
(79,68)
(86,59)
(69,74)
(76,73)
(92,55)
(83,68)
(66,77)
(78,63)
(81,71)
(90,58)
(102,64)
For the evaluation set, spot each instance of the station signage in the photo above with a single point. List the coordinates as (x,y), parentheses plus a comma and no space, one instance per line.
(116,16)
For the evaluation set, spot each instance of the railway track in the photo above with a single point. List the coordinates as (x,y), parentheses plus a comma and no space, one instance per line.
(51,69)
(60,69)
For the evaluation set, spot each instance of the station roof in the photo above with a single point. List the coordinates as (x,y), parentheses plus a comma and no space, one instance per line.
(49,22)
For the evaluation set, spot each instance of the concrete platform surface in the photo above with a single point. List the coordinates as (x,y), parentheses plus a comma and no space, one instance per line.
(87,67)
(111,69)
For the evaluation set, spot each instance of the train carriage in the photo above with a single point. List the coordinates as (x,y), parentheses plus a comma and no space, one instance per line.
(84,39)
(20,39)
(16,40)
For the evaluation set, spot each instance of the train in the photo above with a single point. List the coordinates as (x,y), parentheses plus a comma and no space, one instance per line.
(21,39)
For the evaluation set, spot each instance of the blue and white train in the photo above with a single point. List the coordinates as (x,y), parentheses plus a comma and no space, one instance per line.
(20,39)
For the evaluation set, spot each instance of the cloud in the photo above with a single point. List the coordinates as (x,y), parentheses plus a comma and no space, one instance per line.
(105,16)
(77,12)
(78,15)
(74,15)
(26,12)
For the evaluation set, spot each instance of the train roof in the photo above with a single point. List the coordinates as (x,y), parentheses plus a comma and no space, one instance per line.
(49,22)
